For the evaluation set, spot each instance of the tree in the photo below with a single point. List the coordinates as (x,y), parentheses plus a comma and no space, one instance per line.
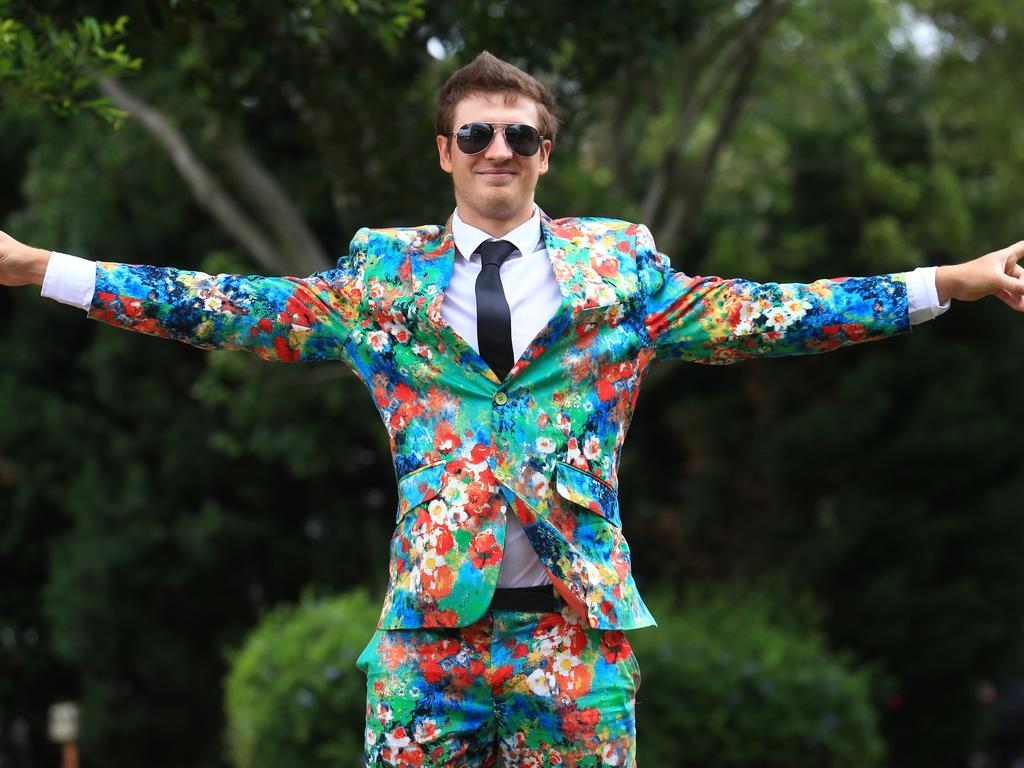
(815,143)
(41,63)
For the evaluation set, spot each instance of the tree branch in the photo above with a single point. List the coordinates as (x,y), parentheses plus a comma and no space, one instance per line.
(621,161)
(320,129)
(207,191)
(749,35)
(301,251)
(696,180)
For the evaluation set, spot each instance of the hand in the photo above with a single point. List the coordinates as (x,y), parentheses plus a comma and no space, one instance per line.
(994,274)
(21,264)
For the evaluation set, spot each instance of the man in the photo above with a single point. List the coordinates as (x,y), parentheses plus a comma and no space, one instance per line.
(505,352)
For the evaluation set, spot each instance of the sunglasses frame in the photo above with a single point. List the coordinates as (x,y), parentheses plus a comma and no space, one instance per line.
(494,132)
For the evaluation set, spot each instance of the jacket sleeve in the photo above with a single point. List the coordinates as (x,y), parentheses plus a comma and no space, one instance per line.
(277,318)
(711,320)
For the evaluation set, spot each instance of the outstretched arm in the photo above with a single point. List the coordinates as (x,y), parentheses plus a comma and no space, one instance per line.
(711,320)
(277,318)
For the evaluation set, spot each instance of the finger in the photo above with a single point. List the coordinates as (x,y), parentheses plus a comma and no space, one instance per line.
(1016,270)
(1014,252)
(1011,300)
(1011,285)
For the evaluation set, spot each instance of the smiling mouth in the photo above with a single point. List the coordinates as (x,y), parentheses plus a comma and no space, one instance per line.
(497,175)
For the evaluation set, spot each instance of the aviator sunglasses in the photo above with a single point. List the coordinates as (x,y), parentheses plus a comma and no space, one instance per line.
(474,138)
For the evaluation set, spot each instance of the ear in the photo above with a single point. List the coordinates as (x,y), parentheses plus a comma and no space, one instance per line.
(545,154)
(444,152)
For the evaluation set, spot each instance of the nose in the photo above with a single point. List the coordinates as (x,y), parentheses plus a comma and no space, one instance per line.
(498,149)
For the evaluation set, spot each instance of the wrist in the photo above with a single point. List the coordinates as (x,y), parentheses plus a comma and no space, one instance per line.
(39,260)
(945,282)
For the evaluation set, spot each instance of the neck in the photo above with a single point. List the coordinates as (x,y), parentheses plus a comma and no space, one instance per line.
(496,228)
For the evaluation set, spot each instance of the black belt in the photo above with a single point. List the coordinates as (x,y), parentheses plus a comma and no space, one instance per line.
(542,599)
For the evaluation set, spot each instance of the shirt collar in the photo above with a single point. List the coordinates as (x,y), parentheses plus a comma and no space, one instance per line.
(526,237)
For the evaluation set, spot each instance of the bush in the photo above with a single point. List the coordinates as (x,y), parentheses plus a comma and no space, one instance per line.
(732,677)
(294,697)
(735,677)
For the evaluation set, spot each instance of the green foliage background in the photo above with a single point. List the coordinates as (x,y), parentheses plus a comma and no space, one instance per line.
(739,673)
(155,500)
(294,696)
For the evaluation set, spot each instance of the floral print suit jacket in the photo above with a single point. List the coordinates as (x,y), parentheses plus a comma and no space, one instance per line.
(542,444)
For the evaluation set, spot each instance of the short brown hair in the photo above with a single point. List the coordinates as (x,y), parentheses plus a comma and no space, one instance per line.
(488,73)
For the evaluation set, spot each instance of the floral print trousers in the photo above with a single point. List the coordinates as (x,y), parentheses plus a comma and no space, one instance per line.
(536,689)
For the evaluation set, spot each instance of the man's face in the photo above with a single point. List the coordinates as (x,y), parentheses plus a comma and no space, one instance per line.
(493,188)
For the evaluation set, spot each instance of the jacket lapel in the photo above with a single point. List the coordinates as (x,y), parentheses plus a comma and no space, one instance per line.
(588,273)
(431,270)
(585,266)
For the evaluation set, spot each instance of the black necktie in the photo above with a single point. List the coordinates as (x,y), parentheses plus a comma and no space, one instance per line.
(493,317)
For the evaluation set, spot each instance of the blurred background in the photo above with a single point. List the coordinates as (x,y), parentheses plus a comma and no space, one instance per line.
(193,545)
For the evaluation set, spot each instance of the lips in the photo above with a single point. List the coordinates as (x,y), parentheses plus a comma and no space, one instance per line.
(498,177)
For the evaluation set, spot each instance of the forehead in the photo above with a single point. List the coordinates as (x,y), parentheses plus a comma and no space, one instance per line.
(493,107)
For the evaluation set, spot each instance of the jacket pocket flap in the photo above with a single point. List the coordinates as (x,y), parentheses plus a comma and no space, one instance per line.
(588,491)
(419,486)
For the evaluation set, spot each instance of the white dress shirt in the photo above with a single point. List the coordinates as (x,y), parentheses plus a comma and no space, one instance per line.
(533,297)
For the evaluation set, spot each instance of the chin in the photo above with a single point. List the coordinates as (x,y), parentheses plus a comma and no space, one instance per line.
(500,207)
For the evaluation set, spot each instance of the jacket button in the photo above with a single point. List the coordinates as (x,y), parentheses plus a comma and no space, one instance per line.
(500,398)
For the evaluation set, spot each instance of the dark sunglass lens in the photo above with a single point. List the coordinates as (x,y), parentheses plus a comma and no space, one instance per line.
(523,139)
(474,137)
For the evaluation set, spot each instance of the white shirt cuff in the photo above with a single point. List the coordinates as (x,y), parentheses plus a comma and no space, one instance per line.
(922,296)
(70,280)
